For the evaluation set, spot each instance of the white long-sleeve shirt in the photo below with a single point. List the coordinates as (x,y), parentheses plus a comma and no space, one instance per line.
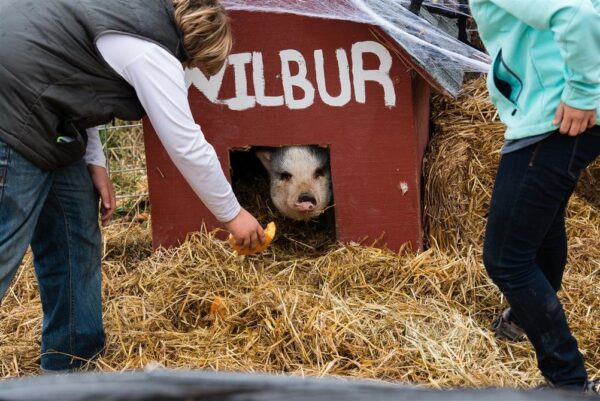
(158,79)
(94,153)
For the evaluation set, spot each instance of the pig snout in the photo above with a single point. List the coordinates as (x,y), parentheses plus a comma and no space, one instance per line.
(306,202)
(300,180)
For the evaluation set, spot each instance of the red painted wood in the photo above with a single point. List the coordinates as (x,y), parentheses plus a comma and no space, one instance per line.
(373,148)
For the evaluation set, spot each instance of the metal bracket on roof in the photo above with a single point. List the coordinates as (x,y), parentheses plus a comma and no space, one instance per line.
(460,15)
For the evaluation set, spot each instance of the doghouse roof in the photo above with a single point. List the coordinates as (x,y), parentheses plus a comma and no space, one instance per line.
(425,43)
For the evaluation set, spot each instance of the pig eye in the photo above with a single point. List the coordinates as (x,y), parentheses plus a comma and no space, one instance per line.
(285,176)
(320,172)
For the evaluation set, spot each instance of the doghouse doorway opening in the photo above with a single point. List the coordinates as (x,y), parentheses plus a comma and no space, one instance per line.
(251,184)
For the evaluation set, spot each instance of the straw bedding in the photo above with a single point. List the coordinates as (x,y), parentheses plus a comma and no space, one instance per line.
(311,306)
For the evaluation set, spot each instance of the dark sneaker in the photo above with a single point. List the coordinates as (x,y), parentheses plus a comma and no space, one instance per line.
(592,387)
(506,329)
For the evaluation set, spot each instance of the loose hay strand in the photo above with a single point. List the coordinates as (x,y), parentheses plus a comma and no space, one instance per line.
(336,309)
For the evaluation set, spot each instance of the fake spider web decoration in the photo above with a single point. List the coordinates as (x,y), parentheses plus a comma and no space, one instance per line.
(440,54)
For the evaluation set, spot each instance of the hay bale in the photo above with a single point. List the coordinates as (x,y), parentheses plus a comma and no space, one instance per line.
(460,165)
(333,310)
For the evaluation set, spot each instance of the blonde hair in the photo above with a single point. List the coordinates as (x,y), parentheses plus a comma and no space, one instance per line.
(206,30)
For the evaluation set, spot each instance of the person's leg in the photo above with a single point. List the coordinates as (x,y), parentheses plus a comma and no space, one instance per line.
(531,189)
(23,189)
(551,259)
(552,255)
(67,252)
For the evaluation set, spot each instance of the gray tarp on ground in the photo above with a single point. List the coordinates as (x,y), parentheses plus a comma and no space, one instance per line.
(209,386)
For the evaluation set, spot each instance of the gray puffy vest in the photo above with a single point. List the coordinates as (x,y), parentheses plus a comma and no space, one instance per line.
(53,82)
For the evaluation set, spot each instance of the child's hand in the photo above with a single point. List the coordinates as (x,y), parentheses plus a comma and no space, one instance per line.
(573,121)
(246,230)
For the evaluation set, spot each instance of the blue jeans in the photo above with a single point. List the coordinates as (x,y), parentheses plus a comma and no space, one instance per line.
(57,213)
(525,249)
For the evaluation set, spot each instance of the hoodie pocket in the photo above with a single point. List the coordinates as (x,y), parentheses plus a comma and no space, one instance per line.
(507,83)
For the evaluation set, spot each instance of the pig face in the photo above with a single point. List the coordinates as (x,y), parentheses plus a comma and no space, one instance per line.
(300,180)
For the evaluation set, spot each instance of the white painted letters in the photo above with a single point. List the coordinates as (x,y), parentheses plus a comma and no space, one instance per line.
(299,80)
(241,101)
(209,87)
(346,89)
(380,75)
(258,75)
(296,79)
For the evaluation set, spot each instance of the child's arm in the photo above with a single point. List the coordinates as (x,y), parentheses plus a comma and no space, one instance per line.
(576,27)
(159,83)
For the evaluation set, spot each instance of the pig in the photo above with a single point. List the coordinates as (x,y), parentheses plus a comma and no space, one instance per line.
(300,180)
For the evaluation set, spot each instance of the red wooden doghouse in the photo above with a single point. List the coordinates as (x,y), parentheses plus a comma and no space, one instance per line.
(296,80)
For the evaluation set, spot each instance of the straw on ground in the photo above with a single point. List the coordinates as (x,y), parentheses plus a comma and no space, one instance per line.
(311,306)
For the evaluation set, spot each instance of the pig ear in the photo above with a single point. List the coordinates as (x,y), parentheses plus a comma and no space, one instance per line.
(265,158)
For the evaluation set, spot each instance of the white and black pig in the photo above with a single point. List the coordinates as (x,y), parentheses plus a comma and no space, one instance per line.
(300,179)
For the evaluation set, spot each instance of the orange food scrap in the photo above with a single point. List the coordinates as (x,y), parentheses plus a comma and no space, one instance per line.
(141,217)
(269,235)
(217,308)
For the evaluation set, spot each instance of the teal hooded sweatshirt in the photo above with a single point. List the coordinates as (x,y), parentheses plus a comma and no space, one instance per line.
(543,51)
